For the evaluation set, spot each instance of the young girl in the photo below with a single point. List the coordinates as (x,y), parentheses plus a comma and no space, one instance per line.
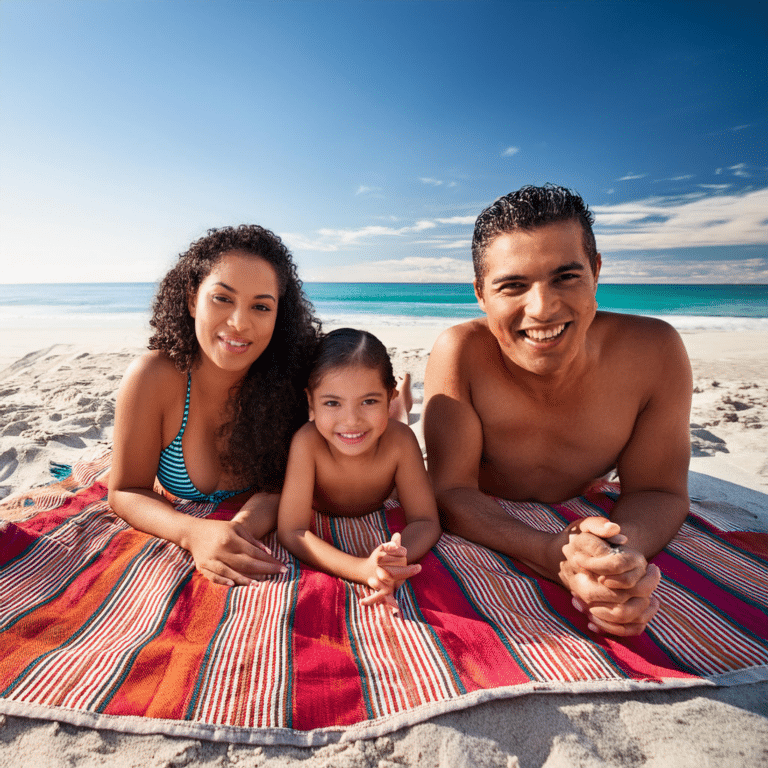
(347,461)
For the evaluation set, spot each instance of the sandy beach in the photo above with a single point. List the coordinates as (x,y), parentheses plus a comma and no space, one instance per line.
(57,395)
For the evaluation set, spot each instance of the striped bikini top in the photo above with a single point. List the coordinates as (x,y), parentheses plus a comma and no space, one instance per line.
(172,470)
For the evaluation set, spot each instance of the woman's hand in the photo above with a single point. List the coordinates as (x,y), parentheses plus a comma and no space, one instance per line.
(226,553)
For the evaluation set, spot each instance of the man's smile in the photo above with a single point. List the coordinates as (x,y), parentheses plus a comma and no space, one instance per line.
(543,335)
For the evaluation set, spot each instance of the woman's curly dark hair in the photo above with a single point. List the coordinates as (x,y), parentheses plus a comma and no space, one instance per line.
(269,405)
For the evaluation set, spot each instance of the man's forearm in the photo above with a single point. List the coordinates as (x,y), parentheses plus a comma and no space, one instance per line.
(473,515)
(650,519)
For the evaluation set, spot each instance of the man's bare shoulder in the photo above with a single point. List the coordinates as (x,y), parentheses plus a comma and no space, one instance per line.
(463,338)
(639,341)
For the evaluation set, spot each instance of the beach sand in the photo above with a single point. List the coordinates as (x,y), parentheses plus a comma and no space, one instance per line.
(57,395)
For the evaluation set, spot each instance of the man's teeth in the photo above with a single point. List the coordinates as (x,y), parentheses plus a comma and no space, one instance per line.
(550,333)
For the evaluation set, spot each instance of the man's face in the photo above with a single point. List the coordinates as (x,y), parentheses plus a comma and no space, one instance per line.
(539,296)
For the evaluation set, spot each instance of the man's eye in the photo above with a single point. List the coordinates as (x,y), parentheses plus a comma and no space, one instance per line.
(370,401)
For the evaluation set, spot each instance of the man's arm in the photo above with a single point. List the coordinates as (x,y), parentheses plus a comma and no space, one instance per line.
(653,468)
(453,435)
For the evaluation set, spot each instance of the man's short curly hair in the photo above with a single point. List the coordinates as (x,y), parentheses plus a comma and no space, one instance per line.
(269,406)
(528,208)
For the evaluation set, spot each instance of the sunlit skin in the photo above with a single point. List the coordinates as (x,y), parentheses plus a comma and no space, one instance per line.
(234,310)
(542,397)
(347,461)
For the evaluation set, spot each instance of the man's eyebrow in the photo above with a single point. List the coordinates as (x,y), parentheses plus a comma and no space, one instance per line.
(574,266)
(258,296)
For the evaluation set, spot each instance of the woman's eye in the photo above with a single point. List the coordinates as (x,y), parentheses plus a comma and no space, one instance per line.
(370,401)
(221,299)
(331,403)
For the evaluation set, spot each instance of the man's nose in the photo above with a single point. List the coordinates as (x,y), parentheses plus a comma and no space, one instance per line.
(541,302)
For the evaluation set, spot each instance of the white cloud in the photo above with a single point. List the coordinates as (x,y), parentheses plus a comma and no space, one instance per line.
(509,151)
(644,270)
(446,244)
(333,239)
(684,177)
(431,182)
(683,222)
(413,269)
(740,169)
(363,190)
(716,187)
(630,176)
(458,220)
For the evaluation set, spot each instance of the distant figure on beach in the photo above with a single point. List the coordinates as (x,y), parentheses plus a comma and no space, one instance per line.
(348,460)
(545,395)
(211,410)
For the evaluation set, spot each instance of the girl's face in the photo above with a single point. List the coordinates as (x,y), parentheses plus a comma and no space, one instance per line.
(235,309)
(350,408)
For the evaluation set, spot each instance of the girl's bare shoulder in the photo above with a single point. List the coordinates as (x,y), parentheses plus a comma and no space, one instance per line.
(398,436)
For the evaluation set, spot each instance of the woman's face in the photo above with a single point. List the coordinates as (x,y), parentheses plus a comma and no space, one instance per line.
(235,309)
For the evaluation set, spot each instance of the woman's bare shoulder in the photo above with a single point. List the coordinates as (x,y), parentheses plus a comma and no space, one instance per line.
(153,372)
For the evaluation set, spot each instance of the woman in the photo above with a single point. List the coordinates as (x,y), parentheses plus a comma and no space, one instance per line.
(211,409)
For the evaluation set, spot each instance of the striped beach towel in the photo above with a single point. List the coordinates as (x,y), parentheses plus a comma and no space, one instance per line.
(105,626)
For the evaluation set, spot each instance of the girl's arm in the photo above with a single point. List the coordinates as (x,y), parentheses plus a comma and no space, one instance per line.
(224,551)
(417,498)
(295,516)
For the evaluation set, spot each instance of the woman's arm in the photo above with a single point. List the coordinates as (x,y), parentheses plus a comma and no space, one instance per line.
(224,551)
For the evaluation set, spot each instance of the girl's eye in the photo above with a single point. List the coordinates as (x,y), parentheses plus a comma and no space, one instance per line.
(331,403)
(370,401)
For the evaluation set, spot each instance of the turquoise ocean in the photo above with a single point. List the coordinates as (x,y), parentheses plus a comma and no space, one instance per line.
(687,307)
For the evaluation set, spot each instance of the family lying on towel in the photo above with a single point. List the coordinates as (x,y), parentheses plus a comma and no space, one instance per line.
(535,401)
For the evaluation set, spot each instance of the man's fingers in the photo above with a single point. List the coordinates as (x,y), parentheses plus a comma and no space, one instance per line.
(641,584)
(626,620)
(601,527)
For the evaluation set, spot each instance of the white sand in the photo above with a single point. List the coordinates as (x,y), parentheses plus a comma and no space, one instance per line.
(57,403)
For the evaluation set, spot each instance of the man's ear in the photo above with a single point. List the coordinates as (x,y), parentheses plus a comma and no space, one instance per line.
(309,405)
(598,265)
(479,293)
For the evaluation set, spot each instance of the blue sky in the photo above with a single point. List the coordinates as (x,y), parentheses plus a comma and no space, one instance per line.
(370,134)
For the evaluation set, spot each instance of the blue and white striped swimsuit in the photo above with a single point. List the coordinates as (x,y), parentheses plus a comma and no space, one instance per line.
(172,470)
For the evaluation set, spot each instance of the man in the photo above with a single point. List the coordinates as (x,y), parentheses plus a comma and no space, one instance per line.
(545,395)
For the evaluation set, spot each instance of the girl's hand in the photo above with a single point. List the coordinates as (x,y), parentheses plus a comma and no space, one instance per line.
(388,569)
(226,553)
